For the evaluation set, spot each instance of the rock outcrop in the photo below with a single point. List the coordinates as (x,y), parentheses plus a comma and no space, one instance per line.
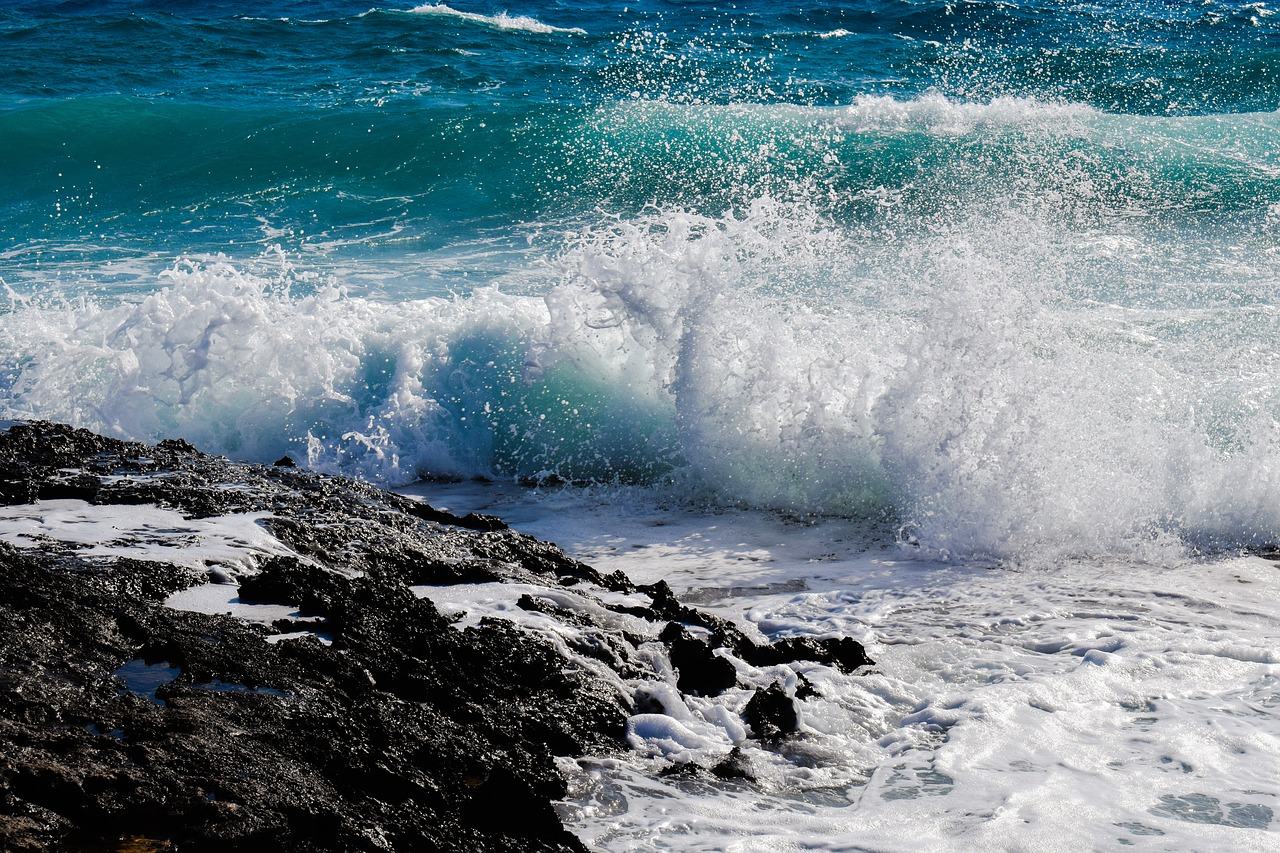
(358,716)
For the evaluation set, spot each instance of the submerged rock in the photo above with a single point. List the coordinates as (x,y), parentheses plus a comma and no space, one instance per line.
(355,714)
(734,766)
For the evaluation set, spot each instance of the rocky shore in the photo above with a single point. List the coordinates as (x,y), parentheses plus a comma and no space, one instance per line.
(330,705)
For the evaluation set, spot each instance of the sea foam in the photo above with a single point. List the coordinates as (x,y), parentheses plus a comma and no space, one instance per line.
(968,387)
(501,21)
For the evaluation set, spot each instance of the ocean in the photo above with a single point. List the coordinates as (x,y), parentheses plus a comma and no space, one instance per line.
(948,326)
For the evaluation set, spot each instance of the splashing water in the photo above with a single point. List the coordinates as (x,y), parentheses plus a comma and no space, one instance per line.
(946,326)
(970,384)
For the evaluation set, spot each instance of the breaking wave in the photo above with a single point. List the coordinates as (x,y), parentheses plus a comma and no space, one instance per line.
(978,386)
(501,21)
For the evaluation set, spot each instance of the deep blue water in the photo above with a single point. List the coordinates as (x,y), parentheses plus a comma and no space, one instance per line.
(986,268)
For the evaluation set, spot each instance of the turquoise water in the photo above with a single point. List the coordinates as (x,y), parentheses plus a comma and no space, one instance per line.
(158,129)
(1001,276)
(947,326)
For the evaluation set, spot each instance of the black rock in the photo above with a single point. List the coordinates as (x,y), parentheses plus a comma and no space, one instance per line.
(382,725)
(805,688)
(683,770)
(734,766)
(701,671)
(121,718)
(844,653)
(771,713)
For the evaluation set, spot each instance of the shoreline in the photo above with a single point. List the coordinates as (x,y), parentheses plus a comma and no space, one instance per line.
(357,715)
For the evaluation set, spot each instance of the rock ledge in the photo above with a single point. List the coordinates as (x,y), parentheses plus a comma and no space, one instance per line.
(363,718)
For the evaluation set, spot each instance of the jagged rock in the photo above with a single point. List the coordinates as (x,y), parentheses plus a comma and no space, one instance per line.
(125,721)
(405,734)
(771,713)
(701,671)
(844,653)
(683,770)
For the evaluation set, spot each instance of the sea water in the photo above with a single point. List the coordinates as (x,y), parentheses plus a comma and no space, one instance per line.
(950,326)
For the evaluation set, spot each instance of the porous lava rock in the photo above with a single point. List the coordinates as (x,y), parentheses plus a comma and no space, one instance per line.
(371,721)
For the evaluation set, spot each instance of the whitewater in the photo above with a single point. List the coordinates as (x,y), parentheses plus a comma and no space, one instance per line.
(950,327)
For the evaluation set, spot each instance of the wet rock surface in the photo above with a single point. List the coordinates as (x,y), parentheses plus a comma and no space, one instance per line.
(366,719)
(771,713)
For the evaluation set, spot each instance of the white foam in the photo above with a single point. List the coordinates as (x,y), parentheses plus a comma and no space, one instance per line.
(501,21)
(935,113)
(232,544)
(222,598)
(1096,704)
(664,735)
(469,603)
(235,541)
(931,113)
(231,362)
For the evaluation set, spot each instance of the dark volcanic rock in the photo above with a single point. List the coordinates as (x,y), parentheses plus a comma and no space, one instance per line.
(771,713)
(844,653)
(123,721)
(404,734)
(702,672)
(734,766)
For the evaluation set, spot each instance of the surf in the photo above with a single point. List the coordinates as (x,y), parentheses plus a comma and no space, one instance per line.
(973,385)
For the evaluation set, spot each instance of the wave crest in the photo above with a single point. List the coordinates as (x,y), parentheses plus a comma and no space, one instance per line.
(501,21)
(968,384)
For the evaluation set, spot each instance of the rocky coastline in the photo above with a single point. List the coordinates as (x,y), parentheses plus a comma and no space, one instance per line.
(356,714)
